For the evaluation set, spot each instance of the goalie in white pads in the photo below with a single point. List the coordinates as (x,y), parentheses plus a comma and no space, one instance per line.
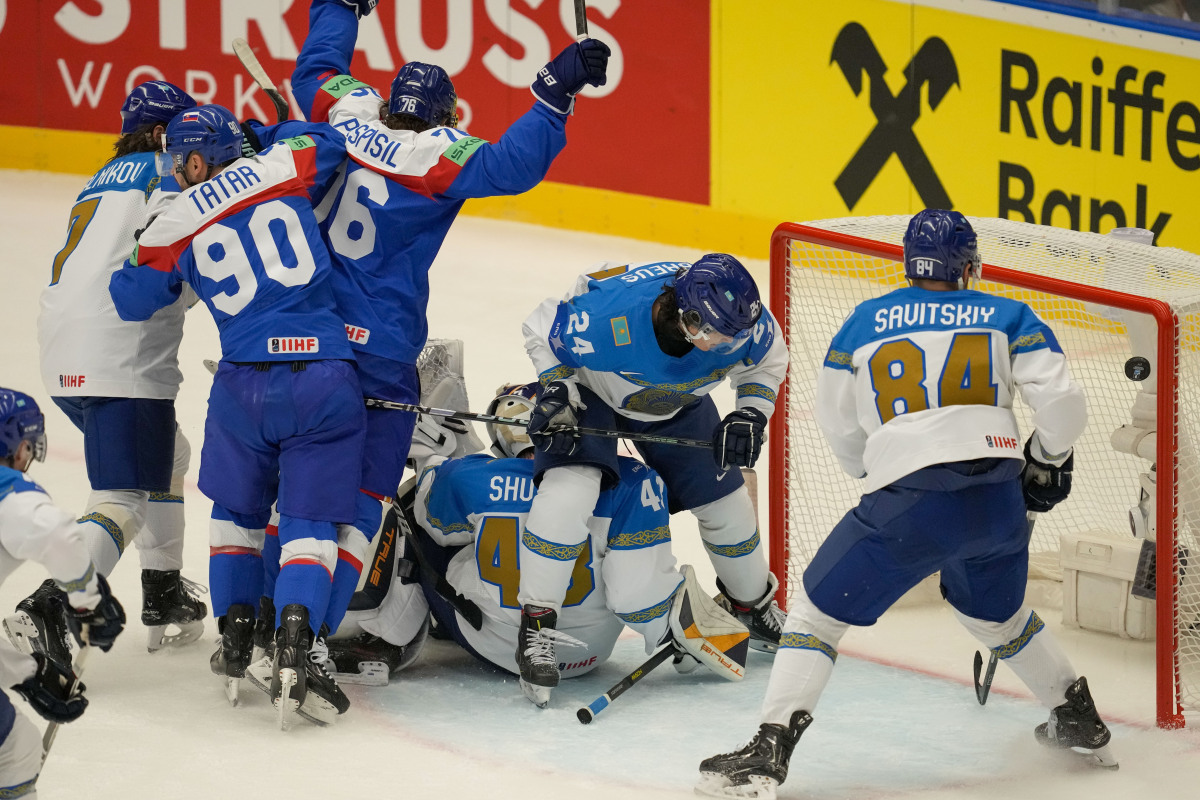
(33,528)
(915,397)
(461,549)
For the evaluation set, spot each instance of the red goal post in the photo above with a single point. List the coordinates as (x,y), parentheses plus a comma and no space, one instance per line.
(1081,284)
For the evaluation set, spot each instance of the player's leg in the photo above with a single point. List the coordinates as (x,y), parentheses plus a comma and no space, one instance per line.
(20,753)
(169,599)
(556,531)
(725,514)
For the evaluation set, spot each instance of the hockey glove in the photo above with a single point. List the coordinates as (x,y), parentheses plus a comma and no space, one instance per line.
(553,421)
(99,626)
(360,7)
(53,691)
(738,438)
(580,64)
(439,436)
(1044,485)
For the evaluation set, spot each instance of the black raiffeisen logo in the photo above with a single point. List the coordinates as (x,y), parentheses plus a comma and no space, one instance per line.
(895,115)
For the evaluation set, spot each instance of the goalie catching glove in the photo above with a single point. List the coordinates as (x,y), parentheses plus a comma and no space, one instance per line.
(700,628)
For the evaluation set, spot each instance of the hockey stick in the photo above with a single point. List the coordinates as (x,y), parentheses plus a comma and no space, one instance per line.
(250,61)
(982,689)
(589,712)
(521,423)
(52,728)
(581,31)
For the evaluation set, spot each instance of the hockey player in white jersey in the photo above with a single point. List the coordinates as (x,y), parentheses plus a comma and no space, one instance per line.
(639,348)
(117,380)
(33,528)
(915,397)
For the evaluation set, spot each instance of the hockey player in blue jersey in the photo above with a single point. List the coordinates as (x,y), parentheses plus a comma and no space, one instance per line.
(33,528)
(458,542)
(639,348)
(915,397)
(408,175)
(285,418)
(117,380)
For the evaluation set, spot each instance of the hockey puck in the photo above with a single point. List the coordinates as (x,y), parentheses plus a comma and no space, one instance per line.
(1137,368)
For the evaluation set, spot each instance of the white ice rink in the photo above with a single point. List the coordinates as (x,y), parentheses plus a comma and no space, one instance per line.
(899,719)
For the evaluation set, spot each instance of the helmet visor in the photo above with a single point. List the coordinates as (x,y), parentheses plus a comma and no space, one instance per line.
(39,447)
(166,163)
(695,328)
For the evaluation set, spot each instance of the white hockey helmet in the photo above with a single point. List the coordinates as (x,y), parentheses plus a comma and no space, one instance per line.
(517,401)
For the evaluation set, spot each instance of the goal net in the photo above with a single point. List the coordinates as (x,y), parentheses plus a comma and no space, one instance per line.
(1098,294)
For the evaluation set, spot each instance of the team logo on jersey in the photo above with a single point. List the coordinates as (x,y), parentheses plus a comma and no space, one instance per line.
(895,115)
(293,344)
(620,329)
(1006,442)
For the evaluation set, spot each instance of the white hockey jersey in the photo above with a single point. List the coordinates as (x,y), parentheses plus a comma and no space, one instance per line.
(86,349)
(917,377)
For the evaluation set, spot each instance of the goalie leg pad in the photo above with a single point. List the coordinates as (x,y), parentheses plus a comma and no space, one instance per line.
(708,633)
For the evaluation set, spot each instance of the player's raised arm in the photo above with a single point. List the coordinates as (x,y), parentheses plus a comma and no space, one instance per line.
(326,53)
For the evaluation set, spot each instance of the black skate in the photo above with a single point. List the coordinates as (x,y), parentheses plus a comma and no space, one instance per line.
(325,700)
(368,660)
(535,653)
(289,670)
(1077,726)
(170,599)
(762,617)
(40,624)
(759,767)
(264,629)
(233,655)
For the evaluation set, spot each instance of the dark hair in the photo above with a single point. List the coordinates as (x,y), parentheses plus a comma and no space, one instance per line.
(139,141)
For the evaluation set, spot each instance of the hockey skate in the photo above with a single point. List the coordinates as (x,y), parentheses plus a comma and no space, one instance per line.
(169,599)
(264,629)
(40,624)
(369,660)
(758,768)
(535,653)
(233,656)
(289,683)
(1075,725)
(325,700)
(762,617)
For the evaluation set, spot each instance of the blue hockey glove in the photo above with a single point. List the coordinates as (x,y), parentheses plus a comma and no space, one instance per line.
(553,421)
(100,626)
(580,64)
(360,7)
(738,438)
(1044,485)
(52,691)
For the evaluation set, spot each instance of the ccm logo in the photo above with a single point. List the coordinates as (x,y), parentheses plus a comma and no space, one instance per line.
(292,344)
(357,334)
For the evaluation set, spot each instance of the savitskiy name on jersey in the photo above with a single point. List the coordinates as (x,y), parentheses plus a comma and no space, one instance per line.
(920,314)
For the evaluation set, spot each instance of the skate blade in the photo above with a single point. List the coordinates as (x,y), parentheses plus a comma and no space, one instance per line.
(758,787)
(317,711)
(159,639)
(538,695)
(259,673)
(370,673)
(21,631)
(1101,757)
(232,686)
(763,646)
(285,706)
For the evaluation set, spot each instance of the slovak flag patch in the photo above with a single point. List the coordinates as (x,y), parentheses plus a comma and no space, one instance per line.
(190,116)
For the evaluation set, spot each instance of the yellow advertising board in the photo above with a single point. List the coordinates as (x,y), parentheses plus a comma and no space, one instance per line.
(875,107)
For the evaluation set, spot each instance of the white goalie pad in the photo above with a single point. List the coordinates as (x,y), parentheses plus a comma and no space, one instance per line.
(707,632)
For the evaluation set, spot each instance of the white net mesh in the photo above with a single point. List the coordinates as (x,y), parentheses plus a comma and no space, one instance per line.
(824,283)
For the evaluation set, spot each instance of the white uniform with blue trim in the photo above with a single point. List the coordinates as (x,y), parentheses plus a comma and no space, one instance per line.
(941,370)
(624,573)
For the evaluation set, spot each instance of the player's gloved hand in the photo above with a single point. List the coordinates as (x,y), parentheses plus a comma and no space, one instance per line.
(443,437)
(52,691)
(99,626)
(580,64)
(1044,485)
(360,7)
(738,438)
(553,421)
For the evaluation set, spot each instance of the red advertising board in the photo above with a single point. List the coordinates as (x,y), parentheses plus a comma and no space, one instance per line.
(68,64)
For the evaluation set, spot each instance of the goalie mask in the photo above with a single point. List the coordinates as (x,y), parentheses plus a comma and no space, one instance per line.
(516,401)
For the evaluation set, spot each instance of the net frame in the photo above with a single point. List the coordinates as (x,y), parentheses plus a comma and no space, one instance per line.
(1169,705)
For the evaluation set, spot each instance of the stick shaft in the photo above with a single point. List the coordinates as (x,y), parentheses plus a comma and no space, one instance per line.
(52,728)
(581,29)
(521,423)
(250,61)
(593,708)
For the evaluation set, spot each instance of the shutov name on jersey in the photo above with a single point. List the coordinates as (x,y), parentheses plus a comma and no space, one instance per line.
(293,344)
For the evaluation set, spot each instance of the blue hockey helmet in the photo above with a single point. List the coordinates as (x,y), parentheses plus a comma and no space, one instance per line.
(515,401)
(212,131)
(717,295)
(424,91)
(940,245)
(153,101)
(21,421)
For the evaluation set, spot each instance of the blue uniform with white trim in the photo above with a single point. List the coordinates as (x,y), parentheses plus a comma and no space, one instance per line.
(471,513)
